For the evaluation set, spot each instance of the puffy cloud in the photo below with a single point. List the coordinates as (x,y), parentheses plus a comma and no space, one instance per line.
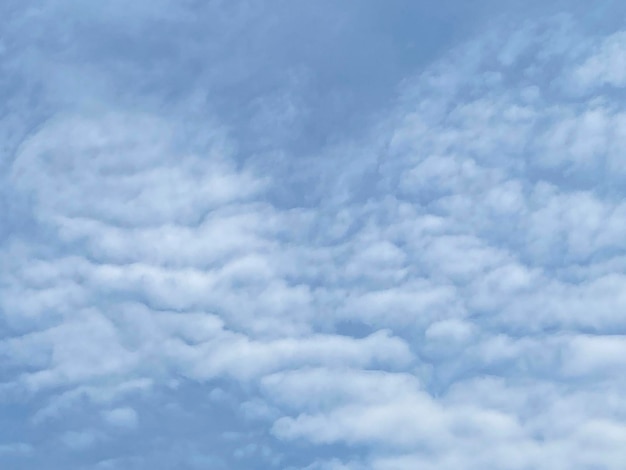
(442,292)
(605,66)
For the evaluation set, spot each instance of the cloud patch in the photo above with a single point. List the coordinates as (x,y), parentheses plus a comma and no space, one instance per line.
(444,291)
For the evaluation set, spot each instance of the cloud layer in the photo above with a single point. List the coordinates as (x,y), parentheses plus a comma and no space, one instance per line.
(202,275)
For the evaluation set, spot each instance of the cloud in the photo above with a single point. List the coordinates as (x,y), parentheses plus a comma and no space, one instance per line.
(121,417)
(80,440)
(441,289)
(16,448)
(605,66)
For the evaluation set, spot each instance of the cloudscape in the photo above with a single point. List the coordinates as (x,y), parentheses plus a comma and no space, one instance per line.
(320,235)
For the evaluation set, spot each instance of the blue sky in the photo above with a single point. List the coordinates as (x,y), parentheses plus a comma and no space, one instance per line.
(312,235)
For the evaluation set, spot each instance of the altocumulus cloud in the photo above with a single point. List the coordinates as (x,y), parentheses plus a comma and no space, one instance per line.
(198,271)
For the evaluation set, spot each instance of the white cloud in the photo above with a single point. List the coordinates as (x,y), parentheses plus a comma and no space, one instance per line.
(80,440)
(121,417)
(452,299)
(605,66)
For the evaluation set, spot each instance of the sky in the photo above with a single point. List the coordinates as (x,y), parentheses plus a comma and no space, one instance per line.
(356,235)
